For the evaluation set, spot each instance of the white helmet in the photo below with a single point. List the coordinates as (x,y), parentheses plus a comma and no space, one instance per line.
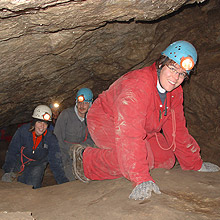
(43,113)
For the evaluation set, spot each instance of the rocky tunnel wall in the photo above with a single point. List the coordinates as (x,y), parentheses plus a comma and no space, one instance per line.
(52,48)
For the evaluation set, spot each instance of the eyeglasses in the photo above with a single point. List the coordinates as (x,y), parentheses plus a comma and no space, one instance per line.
(182,75)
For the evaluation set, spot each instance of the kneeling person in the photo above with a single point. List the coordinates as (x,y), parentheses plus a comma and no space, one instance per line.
(32,147)
(71,128)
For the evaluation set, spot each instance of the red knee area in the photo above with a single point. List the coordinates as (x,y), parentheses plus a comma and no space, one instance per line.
(163,156)
(104,166)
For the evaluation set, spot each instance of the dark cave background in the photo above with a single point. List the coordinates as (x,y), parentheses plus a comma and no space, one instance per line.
(50,49)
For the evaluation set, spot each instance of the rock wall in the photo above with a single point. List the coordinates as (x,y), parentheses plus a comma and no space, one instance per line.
(49,49)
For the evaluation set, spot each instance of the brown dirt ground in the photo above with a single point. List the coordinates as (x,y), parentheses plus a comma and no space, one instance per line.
(185,195)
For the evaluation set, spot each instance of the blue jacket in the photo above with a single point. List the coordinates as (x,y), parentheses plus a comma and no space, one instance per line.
(47,151)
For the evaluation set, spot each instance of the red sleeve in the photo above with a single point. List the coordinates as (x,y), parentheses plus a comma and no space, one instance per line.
(187,149)
(129,117)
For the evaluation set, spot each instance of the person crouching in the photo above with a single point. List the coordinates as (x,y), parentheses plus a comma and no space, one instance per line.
(32,147)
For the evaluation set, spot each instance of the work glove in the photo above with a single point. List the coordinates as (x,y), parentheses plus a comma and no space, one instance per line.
(143,190)
(8,177)
(209,167)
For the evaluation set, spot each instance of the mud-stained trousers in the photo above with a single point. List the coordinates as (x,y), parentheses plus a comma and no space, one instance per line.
(102,162)
(33,175)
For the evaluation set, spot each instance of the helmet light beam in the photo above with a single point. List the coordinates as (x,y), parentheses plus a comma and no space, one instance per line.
(56,105)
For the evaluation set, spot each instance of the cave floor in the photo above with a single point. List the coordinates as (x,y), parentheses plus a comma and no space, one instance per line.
(185,195)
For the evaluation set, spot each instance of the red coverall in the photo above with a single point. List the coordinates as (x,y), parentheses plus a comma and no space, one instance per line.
(124,123)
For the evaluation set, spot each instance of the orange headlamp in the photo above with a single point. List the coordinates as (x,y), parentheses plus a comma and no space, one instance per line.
(56,105)
(81,98)
(46,117)
(187,63)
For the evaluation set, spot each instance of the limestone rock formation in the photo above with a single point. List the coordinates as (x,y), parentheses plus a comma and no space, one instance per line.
(50,48)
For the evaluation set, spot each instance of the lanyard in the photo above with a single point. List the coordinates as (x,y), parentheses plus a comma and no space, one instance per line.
(37,140)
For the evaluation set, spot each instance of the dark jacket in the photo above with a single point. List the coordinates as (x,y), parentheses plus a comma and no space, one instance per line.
(70,130)
(47,151)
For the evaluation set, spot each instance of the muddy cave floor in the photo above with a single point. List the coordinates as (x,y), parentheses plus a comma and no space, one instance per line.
(185,195)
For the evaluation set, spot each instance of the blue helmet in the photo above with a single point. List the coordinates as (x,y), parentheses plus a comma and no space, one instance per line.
(183,53)
(84,95)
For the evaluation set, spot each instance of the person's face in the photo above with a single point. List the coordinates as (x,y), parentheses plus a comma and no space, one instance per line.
(55,113)
(171,76)
(40,127)
(82,108)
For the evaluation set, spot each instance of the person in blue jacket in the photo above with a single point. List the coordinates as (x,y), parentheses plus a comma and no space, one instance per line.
(32,147)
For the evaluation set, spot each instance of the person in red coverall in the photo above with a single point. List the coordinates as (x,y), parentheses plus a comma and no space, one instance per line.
(138,124)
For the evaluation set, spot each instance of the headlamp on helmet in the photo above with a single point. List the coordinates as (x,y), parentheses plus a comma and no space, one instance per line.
(183,53)
(84,95)
(54,105)
(42,112)
(46,117)
(187,63)
(81,98)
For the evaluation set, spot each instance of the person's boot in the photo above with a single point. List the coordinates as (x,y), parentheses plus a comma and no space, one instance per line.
(76,151)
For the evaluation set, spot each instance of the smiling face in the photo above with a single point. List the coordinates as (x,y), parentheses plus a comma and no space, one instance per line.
(40,127)
(82,108)
(171,76)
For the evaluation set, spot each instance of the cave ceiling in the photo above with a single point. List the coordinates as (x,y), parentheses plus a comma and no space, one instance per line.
(50,49)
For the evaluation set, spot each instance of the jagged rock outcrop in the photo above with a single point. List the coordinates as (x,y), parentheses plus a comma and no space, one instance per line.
(51,48)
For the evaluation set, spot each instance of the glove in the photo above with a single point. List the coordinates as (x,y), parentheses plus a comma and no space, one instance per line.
(143,190)
(8,177)
(209,167)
